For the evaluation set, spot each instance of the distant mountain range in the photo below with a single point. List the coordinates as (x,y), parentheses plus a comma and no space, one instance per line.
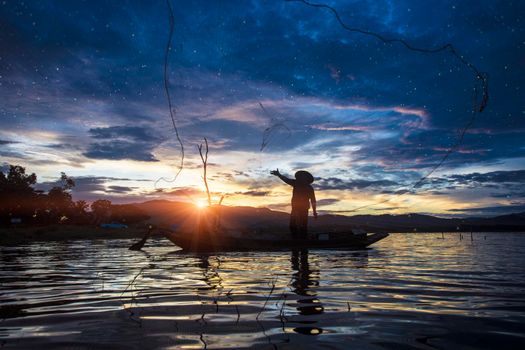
(250,218)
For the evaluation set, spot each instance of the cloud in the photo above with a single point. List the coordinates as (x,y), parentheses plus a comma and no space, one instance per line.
(508,182)
(182,192)
(120,189)
(121,142)
(492,210)
(503,176)
(254,193)
(390,208)
(333,127)
(116,150)
(93,185)
(518,193)
(123,132)
(279,206)
(6,142)
(327,201)
(334,183)
(93,83)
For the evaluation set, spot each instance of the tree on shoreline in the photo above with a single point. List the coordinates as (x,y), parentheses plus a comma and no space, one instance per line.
(19,198)
(21,201)
(101,209)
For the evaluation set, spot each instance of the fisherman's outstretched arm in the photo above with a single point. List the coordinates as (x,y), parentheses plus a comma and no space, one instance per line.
(282,177)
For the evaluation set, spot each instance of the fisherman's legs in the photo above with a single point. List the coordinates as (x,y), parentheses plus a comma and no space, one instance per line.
(303,223)
(299,223)
(293,224)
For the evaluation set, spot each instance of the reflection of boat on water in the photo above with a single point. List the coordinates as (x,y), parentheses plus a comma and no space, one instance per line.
(304,282)
(230,242)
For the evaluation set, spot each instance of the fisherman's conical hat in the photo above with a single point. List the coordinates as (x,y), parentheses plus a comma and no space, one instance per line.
(304,177)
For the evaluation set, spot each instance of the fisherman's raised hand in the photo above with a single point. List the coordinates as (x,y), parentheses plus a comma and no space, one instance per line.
(275,172)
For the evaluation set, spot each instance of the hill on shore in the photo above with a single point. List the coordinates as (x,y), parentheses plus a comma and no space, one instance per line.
(241,217)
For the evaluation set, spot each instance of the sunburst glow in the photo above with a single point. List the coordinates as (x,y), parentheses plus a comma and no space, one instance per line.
(200,204)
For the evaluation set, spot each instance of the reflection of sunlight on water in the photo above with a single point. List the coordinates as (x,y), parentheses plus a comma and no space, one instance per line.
(407,284)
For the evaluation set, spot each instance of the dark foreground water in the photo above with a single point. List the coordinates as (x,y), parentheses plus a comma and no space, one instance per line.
(410,291)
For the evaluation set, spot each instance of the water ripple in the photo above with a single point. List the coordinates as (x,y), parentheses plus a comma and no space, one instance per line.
(411,291)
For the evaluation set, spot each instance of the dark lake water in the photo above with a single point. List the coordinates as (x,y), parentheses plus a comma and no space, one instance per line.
(409,291)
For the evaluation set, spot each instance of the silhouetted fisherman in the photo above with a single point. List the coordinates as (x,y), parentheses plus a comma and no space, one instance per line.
(303,195)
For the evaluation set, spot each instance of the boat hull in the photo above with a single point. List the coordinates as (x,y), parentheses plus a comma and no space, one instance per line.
(227,243)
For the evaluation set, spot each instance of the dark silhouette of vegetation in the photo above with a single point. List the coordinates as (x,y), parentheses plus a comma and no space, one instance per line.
(22,204)
(127,214)
(101,209)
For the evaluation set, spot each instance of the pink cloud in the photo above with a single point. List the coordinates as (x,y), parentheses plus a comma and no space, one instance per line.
(461,150)
(331,127)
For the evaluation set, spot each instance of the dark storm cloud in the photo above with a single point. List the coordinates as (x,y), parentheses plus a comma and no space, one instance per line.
(121,142)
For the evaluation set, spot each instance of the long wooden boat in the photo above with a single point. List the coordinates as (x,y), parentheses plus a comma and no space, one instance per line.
(209,242)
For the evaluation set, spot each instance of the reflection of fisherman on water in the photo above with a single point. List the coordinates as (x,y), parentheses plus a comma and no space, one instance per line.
(209,272)
(304,281)
(303,195)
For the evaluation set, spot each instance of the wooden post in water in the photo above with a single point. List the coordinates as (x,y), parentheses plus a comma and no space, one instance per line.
(442,235)
(471,237)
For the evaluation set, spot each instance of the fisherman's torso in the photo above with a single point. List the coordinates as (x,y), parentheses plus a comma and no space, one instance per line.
(301,195)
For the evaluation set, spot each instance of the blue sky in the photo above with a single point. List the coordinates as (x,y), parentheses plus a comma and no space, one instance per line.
(81,85)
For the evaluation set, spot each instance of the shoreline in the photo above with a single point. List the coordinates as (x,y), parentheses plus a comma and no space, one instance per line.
(56,232)
(67,232)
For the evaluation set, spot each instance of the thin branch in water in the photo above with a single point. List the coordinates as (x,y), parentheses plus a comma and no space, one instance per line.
(282,316)
(238,314)
(202,318)
(201,338)
(229,295)
(267,299)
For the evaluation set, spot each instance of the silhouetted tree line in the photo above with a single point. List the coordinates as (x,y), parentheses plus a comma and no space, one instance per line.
(19,200)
